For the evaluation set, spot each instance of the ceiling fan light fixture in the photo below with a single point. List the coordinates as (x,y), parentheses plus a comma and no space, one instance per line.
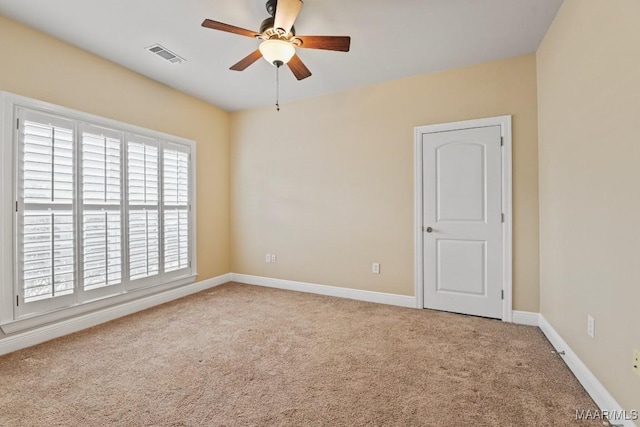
(277,51)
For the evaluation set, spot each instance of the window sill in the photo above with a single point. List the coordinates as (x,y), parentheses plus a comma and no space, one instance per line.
(85,308)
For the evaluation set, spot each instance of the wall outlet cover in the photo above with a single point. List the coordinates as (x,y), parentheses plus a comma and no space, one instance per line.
(375,269)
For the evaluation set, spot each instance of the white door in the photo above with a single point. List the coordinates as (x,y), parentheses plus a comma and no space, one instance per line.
(462,221)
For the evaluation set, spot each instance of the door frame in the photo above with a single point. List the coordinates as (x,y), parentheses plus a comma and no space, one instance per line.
(507,226)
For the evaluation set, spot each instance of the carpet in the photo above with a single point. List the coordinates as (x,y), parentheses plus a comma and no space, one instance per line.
(240,355)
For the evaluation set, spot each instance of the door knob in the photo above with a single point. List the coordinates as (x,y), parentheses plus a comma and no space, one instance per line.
(428,229)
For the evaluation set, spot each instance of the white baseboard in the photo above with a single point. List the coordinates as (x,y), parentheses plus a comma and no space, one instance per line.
(596,390)
(526,318)
(333,291)
(48,332)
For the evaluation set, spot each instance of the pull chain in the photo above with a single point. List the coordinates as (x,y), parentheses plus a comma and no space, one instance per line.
(278,64)
(277,88)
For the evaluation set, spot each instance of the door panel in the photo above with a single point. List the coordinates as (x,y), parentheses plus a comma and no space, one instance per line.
(460,172)
(451,254)
(462,184)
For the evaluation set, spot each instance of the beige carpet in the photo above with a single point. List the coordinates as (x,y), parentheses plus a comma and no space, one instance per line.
(240,355)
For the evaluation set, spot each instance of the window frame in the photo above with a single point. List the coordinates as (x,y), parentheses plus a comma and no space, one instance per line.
(10,318)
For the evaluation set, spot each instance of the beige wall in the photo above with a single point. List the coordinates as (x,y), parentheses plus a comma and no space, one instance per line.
(327,183)
(41,67)
(589,122)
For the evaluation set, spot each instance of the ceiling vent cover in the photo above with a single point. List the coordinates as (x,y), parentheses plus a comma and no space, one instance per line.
(165,53)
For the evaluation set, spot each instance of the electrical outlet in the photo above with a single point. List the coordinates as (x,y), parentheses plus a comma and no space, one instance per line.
(268,258)
(273,258)
(375,269)
(636,361)
(591,326)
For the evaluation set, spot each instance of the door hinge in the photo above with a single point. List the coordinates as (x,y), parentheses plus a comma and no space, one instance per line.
(502,294)
(18,124)
(502,216)
(502,141)
(16,206)
(17,300)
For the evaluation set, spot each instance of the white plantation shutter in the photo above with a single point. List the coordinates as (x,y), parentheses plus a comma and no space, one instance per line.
(46,240)
(143,204)
(175,181)
(48,256)
(101,207)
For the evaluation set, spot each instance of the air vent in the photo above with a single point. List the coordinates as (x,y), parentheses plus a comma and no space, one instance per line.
(165,53)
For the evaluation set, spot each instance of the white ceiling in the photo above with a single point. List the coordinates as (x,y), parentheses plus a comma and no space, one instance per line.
(389,40)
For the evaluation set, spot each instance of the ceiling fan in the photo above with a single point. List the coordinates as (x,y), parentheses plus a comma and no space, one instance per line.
(279,39)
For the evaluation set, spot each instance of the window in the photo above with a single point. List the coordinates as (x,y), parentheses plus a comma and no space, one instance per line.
(102,209)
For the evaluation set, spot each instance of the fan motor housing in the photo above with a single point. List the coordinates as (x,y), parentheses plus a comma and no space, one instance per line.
(268,24)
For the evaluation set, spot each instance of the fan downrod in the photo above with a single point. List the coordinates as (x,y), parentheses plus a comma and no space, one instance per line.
(271,7)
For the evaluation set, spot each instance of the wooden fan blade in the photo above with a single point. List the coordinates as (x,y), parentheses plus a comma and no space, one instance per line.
(337,43)
(248,60)
(215,25)
(286,13)
(298,68)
